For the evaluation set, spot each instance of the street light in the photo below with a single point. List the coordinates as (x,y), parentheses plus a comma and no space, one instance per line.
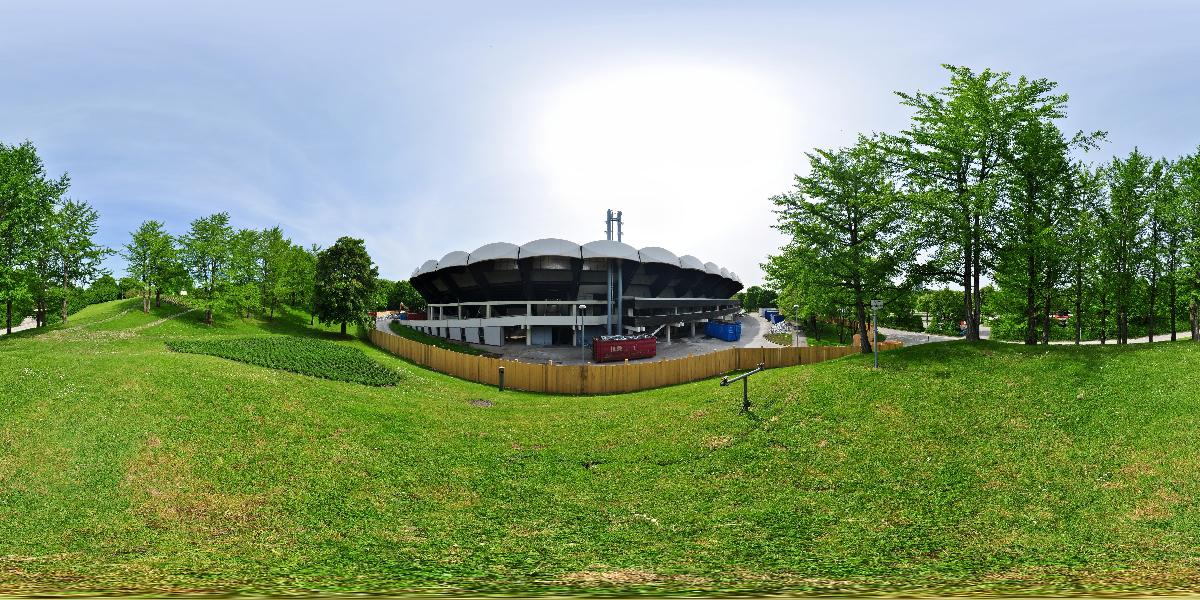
(582,354)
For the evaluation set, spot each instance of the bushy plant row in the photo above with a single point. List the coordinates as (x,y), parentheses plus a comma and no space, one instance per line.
(306,356)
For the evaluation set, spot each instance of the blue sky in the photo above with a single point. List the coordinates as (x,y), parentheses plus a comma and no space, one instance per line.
(437,126)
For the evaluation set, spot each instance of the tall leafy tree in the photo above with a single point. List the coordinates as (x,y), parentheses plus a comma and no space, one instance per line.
(846,223)
(953,153)
(1082,243)
(1037,202)
(404,294)
(151,257)
(1188,189)
(1125,238)
(27,199)
(76,255)
(277,254)
(207,255)
(345,282)
(245,272)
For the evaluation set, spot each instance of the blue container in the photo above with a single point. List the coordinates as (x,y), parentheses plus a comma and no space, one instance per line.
(403,317)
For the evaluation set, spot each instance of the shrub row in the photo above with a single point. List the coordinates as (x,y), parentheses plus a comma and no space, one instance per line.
(306,356)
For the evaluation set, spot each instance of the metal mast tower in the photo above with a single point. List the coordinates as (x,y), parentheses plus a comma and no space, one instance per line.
(615,217)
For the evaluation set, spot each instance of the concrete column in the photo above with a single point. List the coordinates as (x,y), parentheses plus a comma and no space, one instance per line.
(693,329)
(528,335)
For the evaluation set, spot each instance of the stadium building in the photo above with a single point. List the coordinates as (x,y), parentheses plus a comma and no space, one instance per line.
(557,292)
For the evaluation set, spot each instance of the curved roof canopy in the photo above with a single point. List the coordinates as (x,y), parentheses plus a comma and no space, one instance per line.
(458,258)
(654,254)
(688,261)
(494,251)
(549,247)
(610,249)
(426,267)
(484,284)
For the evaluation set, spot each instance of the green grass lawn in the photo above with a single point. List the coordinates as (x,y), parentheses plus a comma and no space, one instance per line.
(125,466)
(781,339)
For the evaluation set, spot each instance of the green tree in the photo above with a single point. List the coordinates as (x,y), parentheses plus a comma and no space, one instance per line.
(1125,235)
(1188,189)
(277,254)
(953,154)
(151,258)
(1082,242)
(345,283)
(76,255)
(404,294)
(206,254)
(245,272)
(104,289)
(847,220)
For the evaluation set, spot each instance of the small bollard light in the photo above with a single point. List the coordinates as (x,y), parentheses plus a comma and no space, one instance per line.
(502,379)
(745,377)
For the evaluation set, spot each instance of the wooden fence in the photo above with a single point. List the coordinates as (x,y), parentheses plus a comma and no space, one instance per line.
(601,379)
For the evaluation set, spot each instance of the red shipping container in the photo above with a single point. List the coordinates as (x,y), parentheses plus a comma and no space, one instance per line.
(416,316)
(610,350)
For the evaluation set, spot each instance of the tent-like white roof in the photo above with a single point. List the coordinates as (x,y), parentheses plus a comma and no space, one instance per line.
(429,265)
(494,251)
(610,249)
(712,268)
(654,254)
(550,247)
(458,258)
(688,261)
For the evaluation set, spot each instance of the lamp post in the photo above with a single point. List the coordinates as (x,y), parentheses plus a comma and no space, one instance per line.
(582,354)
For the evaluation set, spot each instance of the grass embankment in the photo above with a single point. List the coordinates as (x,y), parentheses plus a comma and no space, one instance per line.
(408,332)
(953,468)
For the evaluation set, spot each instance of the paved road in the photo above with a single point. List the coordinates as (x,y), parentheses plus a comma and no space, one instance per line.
(912,338)
(754,331)
(28,323)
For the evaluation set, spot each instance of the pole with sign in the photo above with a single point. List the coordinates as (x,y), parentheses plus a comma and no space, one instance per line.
(875,306)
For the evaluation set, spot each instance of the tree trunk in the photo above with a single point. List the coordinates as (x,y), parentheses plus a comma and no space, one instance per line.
(1078,309)
(1150,313)
(1046,315)
(146,300)
(208,316)
(157,296)
(8,316)
(1174,301)
(343,328)
(1103,317)
(1030,304)
(66,293)
(1193,310)
(864,344)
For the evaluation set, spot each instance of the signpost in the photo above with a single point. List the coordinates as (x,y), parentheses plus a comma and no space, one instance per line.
(875,306)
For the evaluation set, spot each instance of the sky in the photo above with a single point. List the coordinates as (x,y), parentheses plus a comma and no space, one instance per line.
(427,127)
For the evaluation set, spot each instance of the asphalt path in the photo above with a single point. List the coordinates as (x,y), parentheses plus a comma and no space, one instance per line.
(28,323)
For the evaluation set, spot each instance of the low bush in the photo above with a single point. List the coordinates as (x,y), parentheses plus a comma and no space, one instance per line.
(305,356)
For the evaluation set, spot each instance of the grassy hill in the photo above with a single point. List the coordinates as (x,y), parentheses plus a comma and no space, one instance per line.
(125,466)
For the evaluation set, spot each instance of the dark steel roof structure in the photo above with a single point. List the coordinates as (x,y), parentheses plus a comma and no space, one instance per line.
(556,269)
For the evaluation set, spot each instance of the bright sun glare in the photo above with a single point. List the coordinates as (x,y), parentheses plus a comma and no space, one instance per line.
(705,135)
